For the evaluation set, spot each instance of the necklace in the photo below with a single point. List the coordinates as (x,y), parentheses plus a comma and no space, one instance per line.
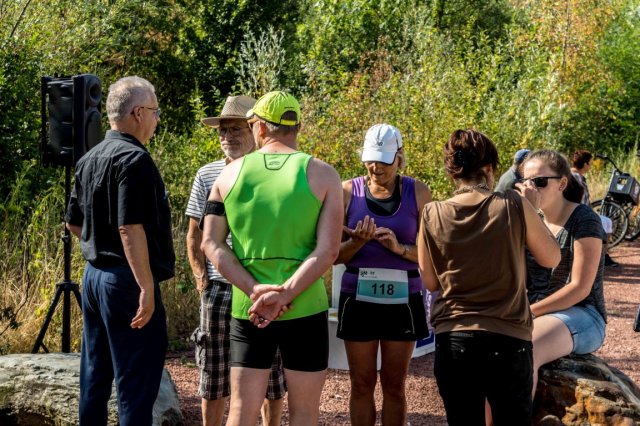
(470,188)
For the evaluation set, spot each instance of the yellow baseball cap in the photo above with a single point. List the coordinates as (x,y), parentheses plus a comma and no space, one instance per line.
(274,105)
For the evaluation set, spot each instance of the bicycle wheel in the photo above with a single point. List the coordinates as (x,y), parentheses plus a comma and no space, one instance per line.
(634,224)
(616,213)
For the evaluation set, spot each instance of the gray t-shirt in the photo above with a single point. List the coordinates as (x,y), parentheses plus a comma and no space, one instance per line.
(542,282)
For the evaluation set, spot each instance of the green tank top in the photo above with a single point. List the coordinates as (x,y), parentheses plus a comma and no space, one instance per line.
(272,215)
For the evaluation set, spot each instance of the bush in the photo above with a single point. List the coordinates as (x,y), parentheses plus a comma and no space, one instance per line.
(528,74)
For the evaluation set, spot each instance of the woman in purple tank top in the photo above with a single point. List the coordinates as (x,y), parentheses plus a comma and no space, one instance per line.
(381,300)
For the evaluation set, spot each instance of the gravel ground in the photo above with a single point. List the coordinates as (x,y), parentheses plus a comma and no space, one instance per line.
(621,349)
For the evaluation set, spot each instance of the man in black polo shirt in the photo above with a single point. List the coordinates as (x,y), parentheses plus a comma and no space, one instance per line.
(119,211)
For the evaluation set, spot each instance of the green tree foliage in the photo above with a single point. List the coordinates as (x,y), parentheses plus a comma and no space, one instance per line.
(213,35)
(619,51)
(481,16)
(529,73)
(334,35)
(262,62)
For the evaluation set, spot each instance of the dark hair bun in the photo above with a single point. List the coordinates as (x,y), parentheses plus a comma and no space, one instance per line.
(466,152)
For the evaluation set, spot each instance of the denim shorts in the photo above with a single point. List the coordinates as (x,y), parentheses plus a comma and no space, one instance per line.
(586,325)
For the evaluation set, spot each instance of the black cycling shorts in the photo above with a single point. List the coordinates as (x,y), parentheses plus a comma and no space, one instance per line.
(303,343)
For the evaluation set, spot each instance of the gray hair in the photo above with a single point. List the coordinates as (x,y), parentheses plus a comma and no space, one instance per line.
(403,159)
(281,128)
(125,94)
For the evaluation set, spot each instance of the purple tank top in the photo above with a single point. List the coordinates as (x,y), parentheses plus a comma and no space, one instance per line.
(404,223)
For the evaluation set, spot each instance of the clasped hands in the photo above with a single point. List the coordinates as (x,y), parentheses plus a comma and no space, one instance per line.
(270,302)
(366,230)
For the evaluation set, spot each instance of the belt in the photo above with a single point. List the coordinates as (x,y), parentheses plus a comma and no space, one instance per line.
(411,273)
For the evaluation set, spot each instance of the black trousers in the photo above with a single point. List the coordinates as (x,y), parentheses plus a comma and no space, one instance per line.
(473,365)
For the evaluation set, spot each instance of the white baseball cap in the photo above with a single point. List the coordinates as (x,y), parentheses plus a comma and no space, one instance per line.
(381,143)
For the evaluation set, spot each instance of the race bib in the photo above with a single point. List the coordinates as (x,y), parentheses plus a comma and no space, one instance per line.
(384,286)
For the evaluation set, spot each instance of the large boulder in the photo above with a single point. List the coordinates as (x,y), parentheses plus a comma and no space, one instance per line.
(583,390)
(44,389)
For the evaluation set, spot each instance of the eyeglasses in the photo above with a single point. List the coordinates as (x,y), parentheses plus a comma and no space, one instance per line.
(233,130)
(156,111)
(541,181)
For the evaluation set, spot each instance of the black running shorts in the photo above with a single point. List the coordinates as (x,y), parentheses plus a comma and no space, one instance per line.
(303,343)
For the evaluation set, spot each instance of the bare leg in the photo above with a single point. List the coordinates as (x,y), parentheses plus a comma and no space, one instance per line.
(395,365)
(304,390)
(362,357)
(488,417)
(272,412)
(248,387)
(551,340)
(213,411)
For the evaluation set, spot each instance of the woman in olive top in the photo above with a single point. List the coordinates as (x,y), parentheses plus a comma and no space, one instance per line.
(471,248)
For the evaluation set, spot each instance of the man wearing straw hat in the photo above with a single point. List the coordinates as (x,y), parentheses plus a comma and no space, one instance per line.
(284,210)
(212,337)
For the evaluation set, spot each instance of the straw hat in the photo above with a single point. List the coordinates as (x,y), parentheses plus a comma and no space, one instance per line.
(234,107)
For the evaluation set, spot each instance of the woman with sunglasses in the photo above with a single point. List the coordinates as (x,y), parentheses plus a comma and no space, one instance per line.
(381,299)
(567,300)
(472,249)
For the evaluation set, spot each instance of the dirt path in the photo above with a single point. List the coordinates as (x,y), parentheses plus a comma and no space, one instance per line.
(621,350)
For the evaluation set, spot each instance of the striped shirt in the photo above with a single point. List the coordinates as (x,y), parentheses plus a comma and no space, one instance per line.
(202,184)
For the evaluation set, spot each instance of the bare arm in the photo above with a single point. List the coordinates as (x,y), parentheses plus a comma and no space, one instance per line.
(75,229)
(586,260)
(427,271)
(423,196)
(134,242)
(195,254)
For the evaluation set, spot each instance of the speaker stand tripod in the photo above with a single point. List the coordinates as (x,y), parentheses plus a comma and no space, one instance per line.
(64,288)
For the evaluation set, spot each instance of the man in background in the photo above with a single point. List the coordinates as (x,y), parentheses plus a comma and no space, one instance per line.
(212,337)
(513,175)
(580,165)
(120,212)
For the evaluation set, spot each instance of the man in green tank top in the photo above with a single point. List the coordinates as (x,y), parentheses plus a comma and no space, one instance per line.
(284,211)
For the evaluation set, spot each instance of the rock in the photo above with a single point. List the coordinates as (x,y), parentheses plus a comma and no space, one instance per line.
(44,389)
(580,390)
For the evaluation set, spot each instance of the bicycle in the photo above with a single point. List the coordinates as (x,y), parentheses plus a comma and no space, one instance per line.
(620,204)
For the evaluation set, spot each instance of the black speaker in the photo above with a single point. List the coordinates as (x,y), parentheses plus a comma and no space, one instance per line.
(71,118)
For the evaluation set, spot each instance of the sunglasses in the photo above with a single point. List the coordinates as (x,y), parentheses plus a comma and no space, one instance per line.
(540,181)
